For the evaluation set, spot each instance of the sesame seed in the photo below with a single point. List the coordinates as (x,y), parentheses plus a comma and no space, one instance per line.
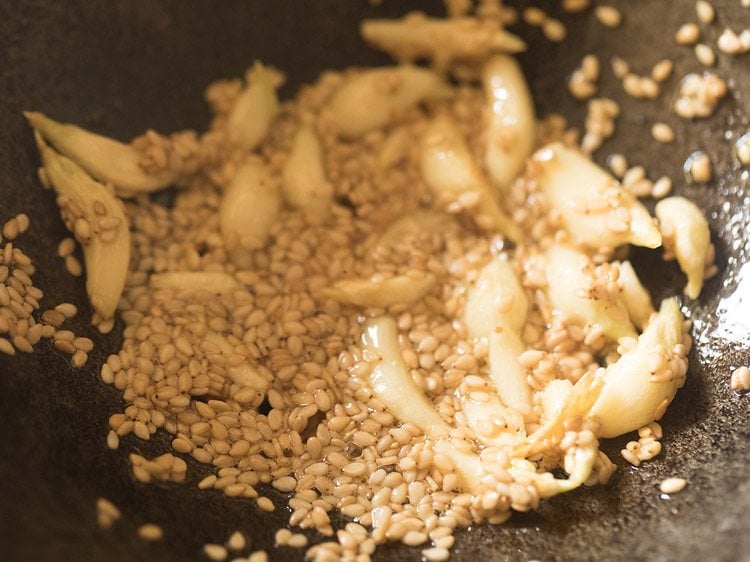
(236,541)
(608,16)
(662,187)
(662,70)
(672,485)
(688,34)
(575,6)
(150,532)
(265,504)
(534,16)
(215,552)
(698,165)
(705,54)
(258,556)
(705,12)
(6,347)
(662,133)
(66,247)
(73,266)
(297,540)
(554,30)
(730,43)
(436,554)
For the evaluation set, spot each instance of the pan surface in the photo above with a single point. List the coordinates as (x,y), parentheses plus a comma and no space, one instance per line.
(122,66)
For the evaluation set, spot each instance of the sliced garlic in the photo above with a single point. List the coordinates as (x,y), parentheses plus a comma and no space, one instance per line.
(251,116)
(596,210)
(512,123)
(686,233)
(449,170)
(249,208)
(106,255)
(569,275)
(106,159)
(371,99)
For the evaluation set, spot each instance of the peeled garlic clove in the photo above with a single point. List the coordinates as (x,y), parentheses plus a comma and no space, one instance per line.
(512,123)
(249,208)
(634,295)
(554,396)
(596,210)
(495,299)
(645,378)
(371,99)
(250,119)
(480,412)
(303,177)
(449,170)
(686,233)
(569,278)
(507,374)
(443,41)
(107,252)
(390,379)
(106,159)
(401,289)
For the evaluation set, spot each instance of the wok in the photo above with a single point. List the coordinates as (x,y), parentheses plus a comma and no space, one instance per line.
(121,66)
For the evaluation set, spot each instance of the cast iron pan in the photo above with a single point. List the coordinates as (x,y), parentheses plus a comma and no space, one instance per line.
(121,66)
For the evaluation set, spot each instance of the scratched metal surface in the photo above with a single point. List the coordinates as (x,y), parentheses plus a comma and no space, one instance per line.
(121,66)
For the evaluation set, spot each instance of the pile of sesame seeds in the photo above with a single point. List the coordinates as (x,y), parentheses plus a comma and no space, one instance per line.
(311,428)
(23,324)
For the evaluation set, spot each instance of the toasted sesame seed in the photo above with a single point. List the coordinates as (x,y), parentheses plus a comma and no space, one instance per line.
(258,556)
(730,43)
(436,554)
(662,187)
(6,347)
(10,229)
(698,166)
(662,133)
(66,247)
(150,532)
(705,54)
(672,485)
(215,552)
(534,16)
(705,12)
(73,266)
(265,504)
(688,34)
(236,541)
(67,309)
(662,70)
(297,540)
(554,30)
(608,16)
(282,536)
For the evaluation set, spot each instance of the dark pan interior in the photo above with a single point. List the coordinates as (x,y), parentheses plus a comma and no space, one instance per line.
(121,66)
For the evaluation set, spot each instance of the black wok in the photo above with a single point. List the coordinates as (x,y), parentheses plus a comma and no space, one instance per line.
(121,66)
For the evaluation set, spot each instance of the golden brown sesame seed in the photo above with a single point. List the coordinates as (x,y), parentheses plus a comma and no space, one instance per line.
(608,16)
(705,54)
(150,532)
(672,485)
(688,34)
